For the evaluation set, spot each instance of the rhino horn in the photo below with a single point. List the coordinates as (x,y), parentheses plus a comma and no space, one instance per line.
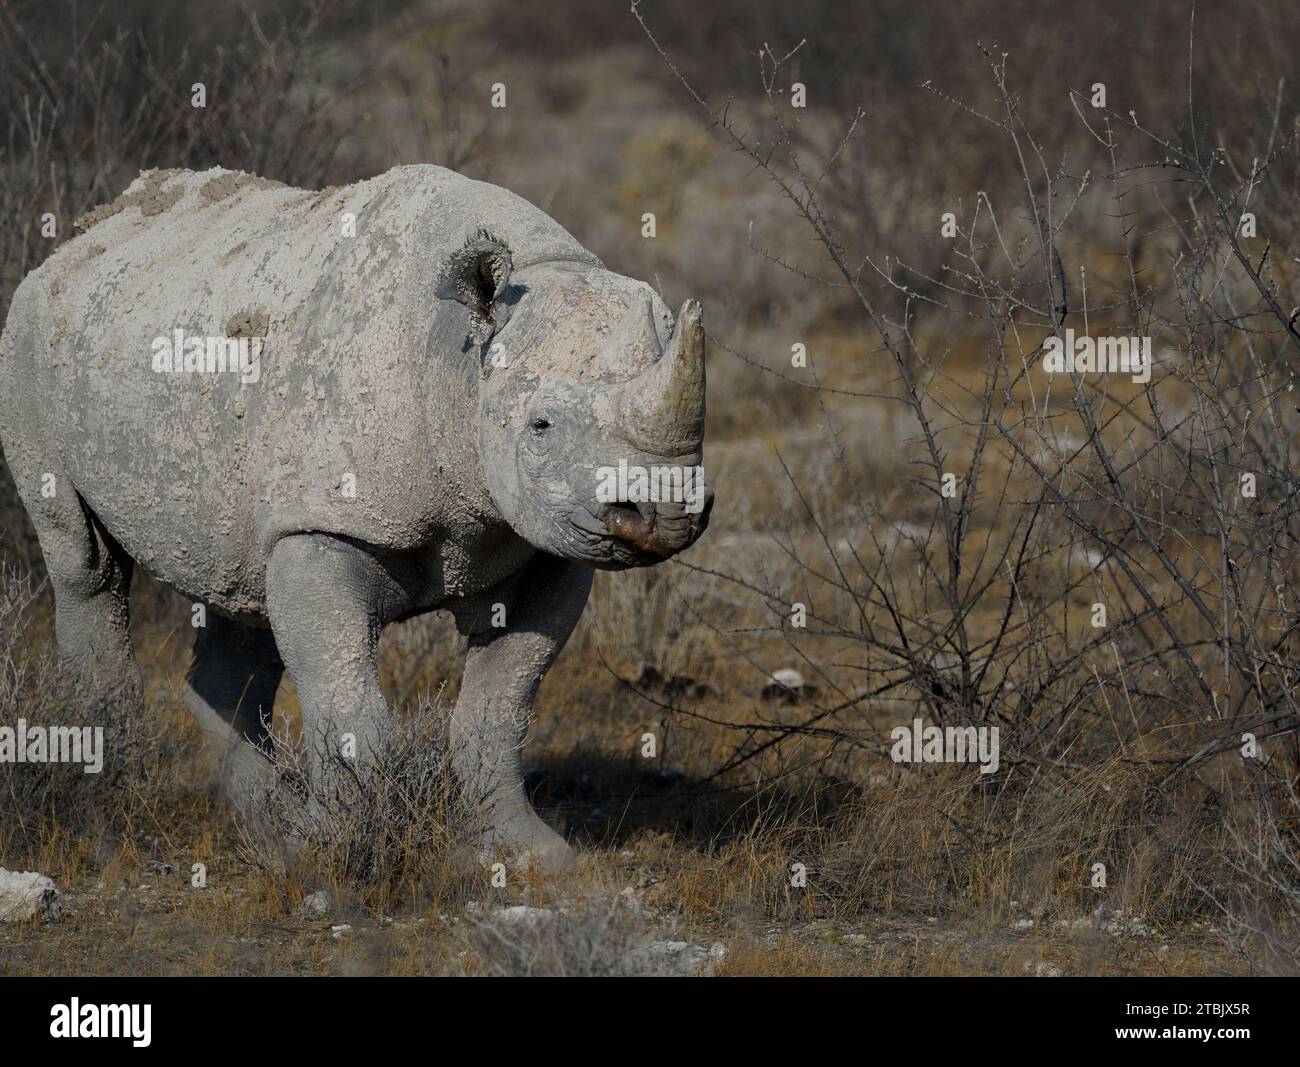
(662,408)
(634,345)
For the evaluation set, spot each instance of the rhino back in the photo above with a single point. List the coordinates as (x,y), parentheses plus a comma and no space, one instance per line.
(362,421)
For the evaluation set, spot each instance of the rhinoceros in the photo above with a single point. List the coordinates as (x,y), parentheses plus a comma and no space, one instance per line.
(319,412)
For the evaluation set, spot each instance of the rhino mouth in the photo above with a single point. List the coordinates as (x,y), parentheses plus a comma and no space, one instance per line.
(639,535)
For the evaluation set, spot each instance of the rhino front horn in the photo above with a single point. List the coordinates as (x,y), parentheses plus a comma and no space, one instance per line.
(663,406)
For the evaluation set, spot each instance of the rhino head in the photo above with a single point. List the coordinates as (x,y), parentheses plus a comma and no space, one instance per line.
(591,403)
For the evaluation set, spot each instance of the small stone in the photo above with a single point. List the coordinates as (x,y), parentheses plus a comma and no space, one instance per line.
(787,677)
(314,906)
(27,895)
(523,916)
(681,958)
(787,684)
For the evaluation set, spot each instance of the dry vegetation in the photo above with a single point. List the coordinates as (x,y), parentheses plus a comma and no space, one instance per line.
(820,226)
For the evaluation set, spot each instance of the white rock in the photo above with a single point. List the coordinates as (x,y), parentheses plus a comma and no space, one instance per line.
(787,677)
(26,895)
(682,958)
(523,916)
(1121,925)
(314,906)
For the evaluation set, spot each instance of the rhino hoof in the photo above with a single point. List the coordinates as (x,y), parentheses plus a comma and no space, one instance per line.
(534,845)
(551,857)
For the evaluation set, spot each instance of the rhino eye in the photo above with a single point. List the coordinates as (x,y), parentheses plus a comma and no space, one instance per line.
(541,423)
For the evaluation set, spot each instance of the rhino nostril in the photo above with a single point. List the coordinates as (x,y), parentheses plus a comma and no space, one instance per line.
(624,520)
(635,525)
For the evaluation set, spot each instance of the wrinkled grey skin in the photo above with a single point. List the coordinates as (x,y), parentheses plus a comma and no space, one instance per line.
(461,361)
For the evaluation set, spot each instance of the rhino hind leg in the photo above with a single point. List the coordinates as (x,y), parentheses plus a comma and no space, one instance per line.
(91,577)
(489,725)
(230,691)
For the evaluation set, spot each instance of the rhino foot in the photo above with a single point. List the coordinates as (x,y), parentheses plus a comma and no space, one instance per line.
(525,842)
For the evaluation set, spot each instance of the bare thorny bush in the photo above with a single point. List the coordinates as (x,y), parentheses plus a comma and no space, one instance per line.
(42,798)
(1171,505)
(391,824)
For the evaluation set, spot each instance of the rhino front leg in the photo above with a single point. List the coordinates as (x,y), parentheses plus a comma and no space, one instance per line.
(504,667)
(326,599)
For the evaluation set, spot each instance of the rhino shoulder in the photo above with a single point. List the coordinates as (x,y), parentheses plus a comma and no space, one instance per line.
(460,207)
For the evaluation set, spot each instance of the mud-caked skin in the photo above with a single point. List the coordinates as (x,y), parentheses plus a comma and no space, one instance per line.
(441,372)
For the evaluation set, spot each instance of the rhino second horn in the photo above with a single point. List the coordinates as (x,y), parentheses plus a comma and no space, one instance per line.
(634,345)
(663,406)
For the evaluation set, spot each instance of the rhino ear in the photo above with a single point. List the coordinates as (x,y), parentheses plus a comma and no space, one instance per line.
(476,275)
